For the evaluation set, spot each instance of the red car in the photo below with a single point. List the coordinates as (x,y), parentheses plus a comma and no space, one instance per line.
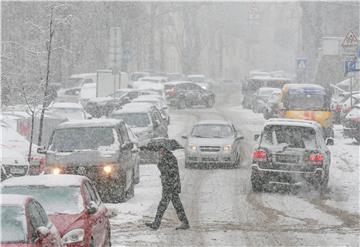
(72,203)
(24,223)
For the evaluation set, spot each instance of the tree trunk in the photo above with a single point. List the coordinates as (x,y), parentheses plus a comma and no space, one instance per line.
(31,134)
(51,34)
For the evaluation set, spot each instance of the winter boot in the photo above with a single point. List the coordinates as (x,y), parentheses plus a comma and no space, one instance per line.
(152,225)
(183,226)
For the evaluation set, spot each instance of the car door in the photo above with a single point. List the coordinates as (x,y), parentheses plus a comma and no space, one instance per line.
(161,129)
(98,220)
(125,155)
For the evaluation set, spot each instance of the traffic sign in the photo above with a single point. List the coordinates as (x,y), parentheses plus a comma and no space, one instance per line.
(350,40)
(301,62)
(350,66)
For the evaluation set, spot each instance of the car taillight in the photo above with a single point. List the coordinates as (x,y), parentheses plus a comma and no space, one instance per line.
(338,108)
(171,92)
(316,159)
(259,155)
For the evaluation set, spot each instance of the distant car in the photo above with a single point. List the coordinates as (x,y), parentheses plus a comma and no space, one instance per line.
(13,162)
(214,142)
(24,222)
(200,80)
(184,94)
(271,109)
(261,97)
(346,105)
(352,123)
(145,121)
(72,203)
(72,111)
(99,149)
(158,102)
(289,152)
(135,76)
(175,77)
(155,79)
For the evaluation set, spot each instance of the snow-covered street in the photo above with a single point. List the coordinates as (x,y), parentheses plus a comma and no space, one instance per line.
(224,211)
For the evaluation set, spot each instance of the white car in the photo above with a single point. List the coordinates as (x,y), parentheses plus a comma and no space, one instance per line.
(72,111)
(13,162)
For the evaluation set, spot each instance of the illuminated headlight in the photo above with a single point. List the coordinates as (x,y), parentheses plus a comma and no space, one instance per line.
(227,147)
(73,236)
(108,169)
(192,147)
(56,171)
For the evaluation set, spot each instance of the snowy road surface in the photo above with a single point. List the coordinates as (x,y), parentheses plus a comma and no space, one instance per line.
(224,211)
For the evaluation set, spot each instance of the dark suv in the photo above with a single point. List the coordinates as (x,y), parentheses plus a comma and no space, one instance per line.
(184,94)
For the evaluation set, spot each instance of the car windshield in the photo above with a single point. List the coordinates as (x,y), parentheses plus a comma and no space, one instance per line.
(266,92)
(13,224)
(71,139)
(70,113)
(57,199)
(293,136)
(134,119)
(305,102)
(72,82)
(212,131)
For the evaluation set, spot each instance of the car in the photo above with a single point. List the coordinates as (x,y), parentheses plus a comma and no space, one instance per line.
(152,85)
(212,142)
(158,103)
(72,111)
(199,80)
(13,162)
(145,120)
(271,109)
(351,124)
(291,152)
(261,97)
(72,204)
(135,76)
(24,222)
(154,79)
(346,105)
(182,94)
(99,149)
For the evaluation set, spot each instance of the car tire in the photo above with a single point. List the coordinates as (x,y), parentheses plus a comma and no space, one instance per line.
(210,102)
(181,103)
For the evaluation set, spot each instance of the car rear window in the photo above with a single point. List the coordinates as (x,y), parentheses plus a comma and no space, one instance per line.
(13,224)
(134,119)
(71,139)
(57,199)
(292,136)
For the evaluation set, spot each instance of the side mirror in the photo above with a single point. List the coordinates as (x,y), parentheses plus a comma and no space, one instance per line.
(239,137)
(42,232)
(329,141)
(41,150)
(92,208)
(256,137)
(184,137)
(127,145)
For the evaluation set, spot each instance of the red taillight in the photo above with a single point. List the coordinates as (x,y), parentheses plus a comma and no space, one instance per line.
(171,92)
(259,155)
(316,159)
(338,108)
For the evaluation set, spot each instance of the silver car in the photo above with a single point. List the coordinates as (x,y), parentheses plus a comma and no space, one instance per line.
(212,143)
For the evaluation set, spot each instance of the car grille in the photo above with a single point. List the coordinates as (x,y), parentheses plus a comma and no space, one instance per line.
(285,158)
(207,159)
(209,148)
(16,170)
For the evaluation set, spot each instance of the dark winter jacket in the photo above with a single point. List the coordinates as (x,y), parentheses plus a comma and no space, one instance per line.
(170,177)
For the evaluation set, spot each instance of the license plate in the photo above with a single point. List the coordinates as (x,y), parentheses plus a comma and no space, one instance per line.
(17,170)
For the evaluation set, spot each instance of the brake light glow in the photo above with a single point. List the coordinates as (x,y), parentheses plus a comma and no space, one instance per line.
(259,155)
(316,159)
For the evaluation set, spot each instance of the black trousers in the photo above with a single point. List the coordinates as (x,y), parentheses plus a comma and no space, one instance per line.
(163,204)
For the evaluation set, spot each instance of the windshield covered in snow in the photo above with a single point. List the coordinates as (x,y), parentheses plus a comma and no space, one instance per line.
(212,131)
(57,199)
(13,224)
(293,136)
(134,119)
(70,113)
(72,82)
(71,139)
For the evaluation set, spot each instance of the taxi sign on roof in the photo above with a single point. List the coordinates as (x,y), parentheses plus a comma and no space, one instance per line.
(350,40)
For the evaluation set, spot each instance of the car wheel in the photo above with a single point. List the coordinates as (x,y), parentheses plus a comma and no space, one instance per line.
(210,102)
(181,104)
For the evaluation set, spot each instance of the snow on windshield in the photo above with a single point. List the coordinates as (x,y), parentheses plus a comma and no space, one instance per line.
(134,119)
(57,199)
(13,224)
(212,131)
(71,139)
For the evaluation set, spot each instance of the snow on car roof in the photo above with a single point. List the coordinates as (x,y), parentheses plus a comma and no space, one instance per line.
(45,180)
(298,85)
(177,82)
(66,105)
(134,108)
(222,122)
(83,75)
(101,99)
(193,76)
(269,89)
(292,122)
(153,78)
(101,122)
(12,199)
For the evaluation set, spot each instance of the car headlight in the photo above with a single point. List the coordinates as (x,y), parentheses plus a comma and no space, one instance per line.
(56,171)
(73,236)
(108,169)
(192,147)
(227,147)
